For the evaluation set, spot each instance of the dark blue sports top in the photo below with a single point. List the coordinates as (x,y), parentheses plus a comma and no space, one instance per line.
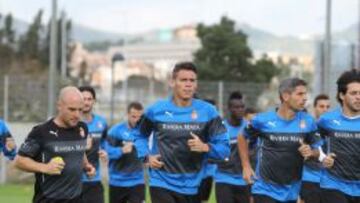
(279,163)
(125,170)
(171,126)
(342,137)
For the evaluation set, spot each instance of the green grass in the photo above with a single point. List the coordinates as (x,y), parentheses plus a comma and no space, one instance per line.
(212,196)
(14,193)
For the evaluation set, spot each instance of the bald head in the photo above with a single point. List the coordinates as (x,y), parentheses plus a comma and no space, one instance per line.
(68,93)
(70,105)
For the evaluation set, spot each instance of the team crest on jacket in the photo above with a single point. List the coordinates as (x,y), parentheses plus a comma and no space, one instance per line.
(194,115)
(82,132)
(302,124)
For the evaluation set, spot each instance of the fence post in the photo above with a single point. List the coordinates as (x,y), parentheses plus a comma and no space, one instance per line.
(221,97)
(6,116)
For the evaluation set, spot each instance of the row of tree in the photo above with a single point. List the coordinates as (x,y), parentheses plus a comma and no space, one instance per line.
(27,51)
(225,54)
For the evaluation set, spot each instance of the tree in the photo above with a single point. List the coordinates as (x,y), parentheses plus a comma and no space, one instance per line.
(45,45)
(263,70)
(30,42)
(9,33)
(1,30)
(225,55)
(7,42)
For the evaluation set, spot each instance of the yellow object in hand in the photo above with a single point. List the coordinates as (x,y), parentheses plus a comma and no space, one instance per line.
(60,164)
(58,159)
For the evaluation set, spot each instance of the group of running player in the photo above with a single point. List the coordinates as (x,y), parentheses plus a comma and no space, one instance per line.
(280,155)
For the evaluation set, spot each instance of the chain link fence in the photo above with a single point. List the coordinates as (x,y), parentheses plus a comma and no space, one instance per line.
(27,96)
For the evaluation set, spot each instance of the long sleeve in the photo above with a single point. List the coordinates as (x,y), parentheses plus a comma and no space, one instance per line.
(219,140)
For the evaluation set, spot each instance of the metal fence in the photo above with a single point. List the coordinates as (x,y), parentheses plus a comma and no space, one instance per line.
(23,99)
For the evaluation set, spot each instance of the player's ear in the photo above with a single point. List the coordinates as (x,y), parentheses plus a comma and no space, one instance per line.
(341,96)
(285,96)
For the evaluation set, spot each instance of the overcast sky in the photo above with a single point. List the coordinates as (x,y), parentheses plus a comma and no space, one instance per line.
(281,17)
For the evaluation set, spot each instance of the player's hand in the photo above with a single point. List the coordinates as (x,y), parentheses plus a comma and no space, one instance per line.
(248,175)
(196,145)
(10,144)
(328,161)
(305,150)
(89,143)
(90,170)
(103,155)
(127,148)
(154,161)
(54,166)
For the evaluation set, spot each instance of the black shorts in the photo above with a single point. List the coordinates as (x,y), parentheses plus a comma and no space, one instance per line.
(205,188)
(49,200)
(226,193)
(335,196)
(266,199)
(162,195)
(92,192)
(134,194)
(310,192)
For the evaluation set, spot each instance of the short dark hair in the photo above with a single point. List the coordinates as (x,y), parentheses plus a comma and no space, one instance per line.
(235,95)
(320,97)
(183,66)
(346,78)
(289,85)
(135,105)
(88,89)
